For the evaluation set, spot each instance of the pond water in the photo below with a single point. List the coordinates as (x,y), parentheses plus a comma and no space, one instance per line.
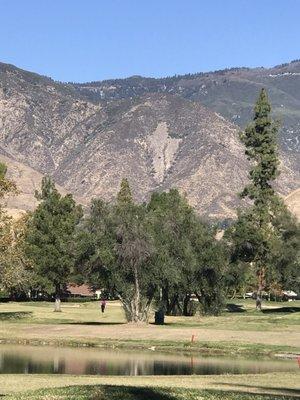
(21,359)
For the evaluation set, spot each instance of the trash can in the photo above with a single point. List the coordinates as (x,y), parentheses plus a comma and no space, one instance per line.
(159,317)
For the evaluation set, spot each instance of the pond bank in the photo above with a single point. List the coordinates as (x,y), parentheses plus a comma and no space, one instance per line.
(198,348)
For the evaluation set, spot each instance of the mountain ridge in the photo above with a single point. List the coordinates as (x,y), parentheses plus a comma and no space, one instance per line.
(157,139)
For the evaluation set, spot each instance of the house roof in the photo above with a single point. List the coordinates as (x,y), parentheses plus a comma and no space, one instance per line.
(80,290)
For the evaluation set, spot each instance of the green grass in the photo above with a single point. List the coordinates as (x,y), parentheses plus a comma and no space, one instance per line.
(82,324)
(263,386)
(138,393)
(275,316)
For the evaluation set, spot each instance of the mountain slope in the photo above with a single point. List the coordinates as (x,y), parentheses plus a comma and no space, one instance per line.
(157,140)
(231,93)
(293,202)
(27,181)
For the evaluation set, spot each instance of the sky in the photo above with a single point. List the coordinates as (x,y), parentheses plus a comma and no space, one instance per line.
(88,40)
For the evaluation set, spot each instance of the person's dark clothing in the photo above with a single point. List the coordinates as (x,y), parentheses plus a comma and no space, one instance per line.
(103,305)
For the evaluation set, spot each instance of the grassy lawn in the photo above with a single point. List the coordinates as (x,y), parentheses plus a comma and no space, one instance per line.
(240,315)
(139,393)
(241,329)
(265,386)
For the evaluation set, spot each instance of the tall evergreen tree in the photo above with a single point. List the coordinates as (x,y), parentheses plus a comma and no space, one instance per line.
(260,139)
(258,233)
(50,236)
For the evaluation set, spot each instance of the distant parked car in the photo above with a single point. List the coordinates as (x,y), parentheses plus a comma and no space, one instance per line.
(289,295)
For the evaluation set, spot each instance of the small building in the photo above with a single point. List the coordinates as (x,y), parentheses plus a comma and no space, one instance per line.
(79,291)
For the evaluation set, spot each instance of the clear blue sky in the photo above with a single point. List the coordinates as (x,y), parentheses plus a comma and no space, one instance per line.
(84,40)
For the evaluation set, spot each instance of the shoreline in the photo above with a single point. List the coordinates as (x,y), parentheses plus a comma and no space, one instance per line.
(246,350)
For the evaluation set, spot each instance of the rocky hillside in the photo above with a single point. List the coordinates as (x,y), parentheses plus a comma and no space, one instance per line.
(88,137)
(293,202)
(230,92)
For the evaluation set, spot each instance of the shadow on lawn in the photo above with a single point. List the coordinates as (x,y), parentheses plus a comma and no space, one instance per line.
(131,393)
(235,308)
(5,316)
(281,310)
(108,392)
(93,323)
(264,390)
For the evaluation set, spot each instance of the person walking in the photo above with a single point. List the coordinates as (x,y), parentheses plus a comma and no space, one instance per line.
(103,305)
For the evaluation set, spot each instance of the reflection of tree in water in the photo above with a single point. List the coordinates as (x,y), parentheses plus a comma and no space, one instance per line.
(20,364)
(118,367)
(107,364)
(59,365)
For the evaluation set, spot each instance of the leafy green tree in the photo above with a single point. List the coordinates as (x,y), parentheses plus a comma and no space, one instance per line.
(50,237)
(15,267)
(286,260)
(115,250)
(190,260)
(212,263)
(172,219)
(6,185)
(258,235)
(13,274)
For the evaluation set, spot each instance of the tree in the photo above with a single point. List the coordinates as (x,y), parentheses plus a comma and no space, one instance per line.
(258,233)
(115,250)
(172,220)
(189,258)
(212,264)
(13,274)
(16,275)
(50,237)
(6,185)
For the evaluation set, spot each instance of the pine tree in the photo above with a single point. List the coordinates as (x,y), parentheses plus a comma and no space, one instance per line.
(124,195)
(260,139)
(258,233)
(50,236)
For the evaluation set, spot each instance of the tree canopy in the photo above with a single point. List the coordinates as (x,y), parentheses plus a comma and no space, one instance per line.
(266,229)
(50,236)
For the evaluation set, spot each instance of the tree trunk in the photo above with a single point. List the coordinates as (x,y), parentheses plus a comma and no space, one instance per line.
(186,301)
(261,276)
(147,309)
(165,298)
(136,299)
(233,295)
(57,304)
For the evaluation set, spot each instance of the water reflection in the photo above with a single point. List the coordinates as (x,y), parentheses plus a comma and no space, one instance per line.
(51,360)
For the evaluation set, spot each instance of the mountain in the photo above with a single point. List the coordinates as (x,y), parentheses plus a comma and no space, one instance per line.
(293,202)
(230,92)
(28,182)
(159,133)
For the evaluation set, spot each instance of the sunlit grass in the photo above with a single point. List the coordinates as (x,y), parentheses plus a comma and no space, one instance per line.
(112,388)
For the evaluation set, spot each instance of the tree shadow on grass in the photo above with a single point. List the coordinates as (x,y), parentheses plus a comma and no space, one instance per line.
(235,308)
(280,310)
(93,323)
(105,392)
(282,392)
(132,393)
(7,316)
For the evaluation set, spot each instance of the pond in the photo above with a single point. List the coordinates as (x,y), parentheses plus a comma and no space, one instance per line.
(20,359)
